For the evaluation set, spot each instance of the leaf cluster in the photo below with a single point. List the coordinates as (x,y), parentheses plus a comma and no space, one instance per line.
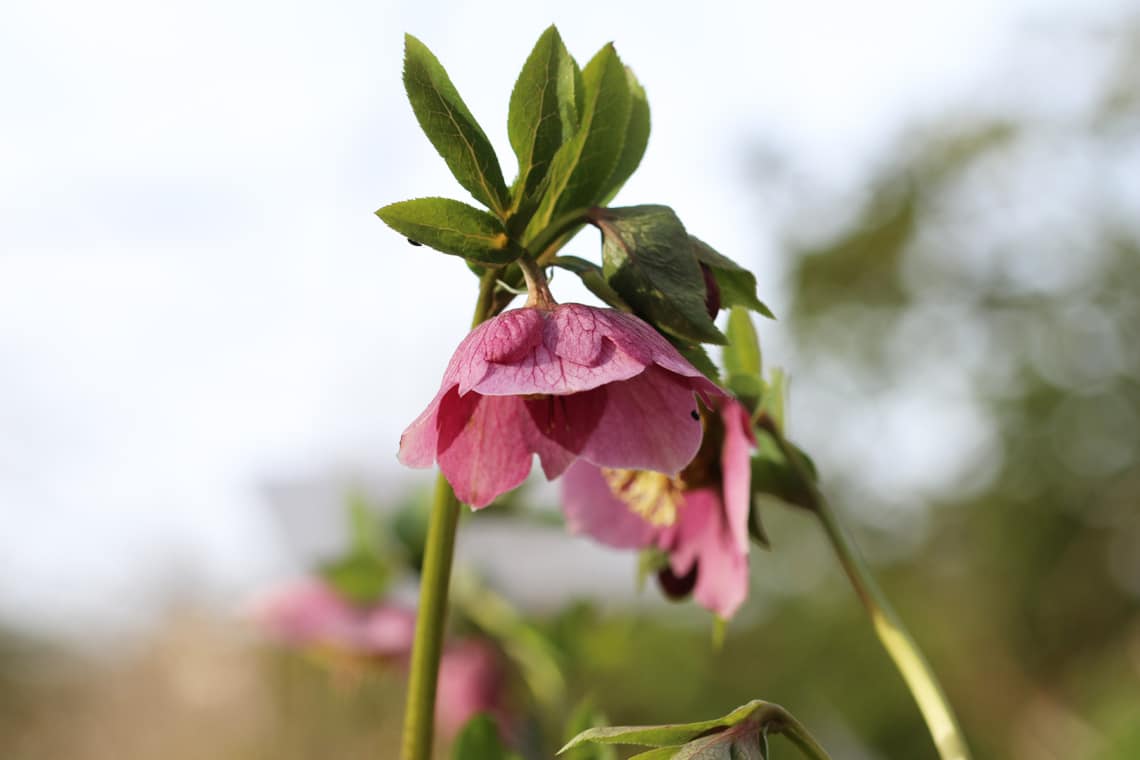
(578,133)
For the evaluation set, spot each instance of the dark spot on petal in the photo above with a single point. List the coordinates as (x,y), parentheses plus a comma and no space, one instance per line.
(694,415)
(415,242)
(674,586)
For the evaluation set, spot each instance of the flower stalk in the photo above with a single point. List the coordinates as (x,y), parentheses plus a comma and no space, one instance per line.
(435,577)
(893,635)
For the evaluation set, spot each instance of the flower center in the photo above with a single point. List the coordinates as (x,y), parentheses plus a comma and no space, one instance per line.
(653,496)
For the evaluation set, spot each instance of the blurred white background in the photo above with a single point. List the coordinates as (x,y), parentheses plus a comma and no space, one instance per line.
(197,301)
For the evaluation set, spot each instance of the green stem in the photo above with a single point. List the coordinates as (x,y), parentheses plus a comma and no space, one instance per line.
(900,645)
(431,616)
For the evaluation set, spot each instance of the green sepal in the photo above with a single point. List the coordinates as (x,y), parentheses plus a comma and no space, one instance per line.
(452,227)
(585,162)
(448,123)
(593,278)
(543,112)
(646,258)
(737,285)
(479,740)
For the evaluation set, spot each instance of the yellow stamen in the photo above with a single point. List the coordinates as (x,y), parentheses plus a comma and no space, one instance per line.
(654,496)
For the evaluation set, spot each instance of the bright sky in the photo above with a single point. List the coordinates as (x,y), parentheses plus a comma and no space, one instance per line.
(195,298)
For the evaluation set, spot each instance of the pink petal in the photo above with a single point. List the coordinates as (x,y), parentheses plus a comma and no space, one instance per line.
(303,613)
(420,440)
(648,424)
(703,536)
(736,467)
(591,508)
(574,355)
(386,631)
(471,680)
(483,450)
(563,425)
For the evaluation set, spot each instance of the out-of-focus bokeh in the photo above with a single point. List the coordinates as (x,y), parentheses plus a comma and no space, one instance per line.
(207,344)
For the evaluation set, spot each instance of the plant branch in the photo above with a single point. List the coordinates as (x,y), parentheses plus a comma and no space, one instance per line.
(431,616)
(900,645)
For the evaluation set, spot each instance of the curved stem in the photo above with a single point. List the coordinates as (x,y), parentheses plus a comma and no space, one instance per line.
(783,722)
(431,616)
(900,645)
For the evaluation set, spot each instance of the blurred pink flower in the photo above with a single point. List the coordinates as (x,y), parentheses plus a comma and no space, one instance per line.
(311,614)
(471,680)
(564,382)
(699,518)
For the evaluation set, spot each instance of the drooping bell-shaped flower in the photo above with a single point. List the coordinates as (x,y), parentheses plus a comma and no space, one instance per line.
(565,382)
(699,518)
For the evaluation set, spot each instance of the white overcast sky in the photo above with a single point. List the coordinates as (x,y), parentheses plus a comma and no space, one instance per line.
(195,298)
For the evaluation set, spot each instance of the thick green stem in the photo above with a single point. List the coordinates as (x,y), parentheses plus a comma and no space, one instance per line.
(900,645)
(431,616)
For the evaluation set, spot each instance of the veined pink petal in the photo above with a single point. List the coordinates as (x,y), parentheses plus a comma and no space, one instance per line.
(576,353)
(650,422)
(483,449)
(736,469)
(591,508)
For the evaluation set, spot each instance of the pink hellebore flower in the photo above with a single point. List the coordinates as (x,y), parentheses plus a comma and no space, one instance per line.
(311,614)
(700,519)
(562,382)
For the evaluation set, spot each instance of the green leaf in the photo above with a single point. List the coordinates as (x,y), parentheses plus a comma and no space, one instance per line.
(543,113)
(661,753)
(452,129)
(593,278)
(737,285)
(772,402)
(647,260)
(667,735)
(742,360)
(452,227)
(479,740)
(636,139)
(584,163)
(742,354)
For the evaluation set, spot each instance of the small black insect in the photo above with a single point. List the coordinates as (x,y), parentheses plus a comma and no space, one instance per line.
(694,415)
(415,242)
